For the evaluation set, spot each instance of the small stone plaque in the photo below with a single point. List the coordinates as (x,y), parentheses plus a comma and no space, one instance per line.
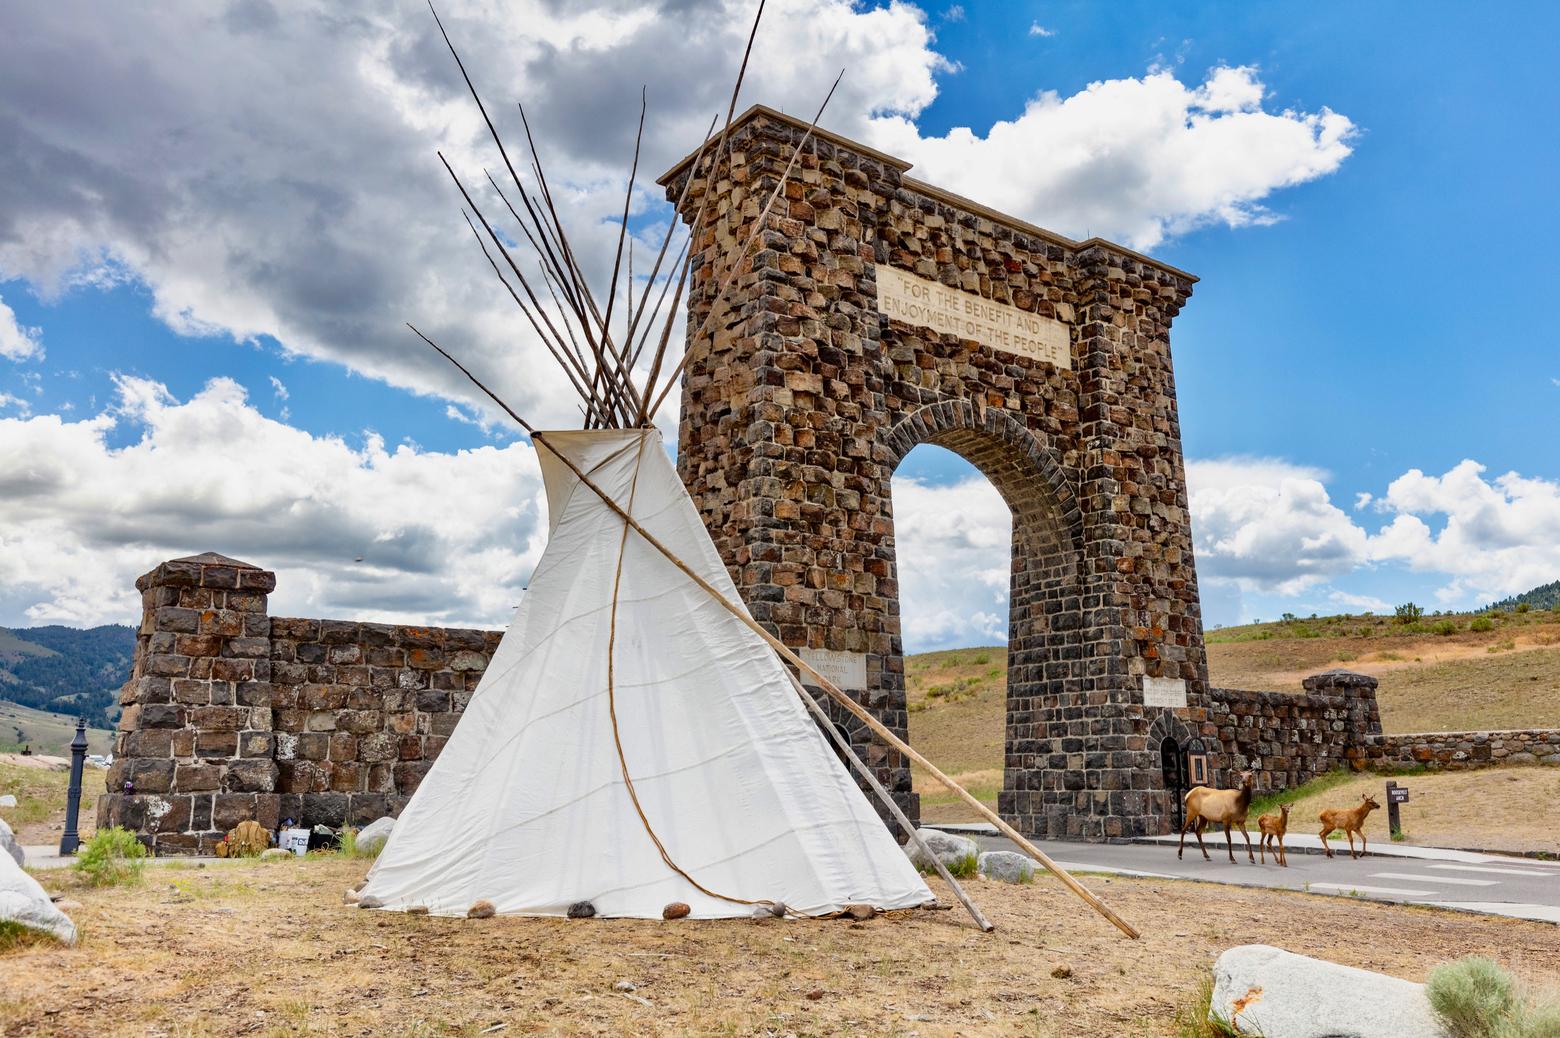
(1169,692)
(906,297)
(848,670)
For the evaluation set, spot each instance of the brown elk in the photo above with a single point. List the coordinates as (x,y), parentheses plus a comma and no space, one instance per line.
(1205,806)
(1351,820)
(1273,829)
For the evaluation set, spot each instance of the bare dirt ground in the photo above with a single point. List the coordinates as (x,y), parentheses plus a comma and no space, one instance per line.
(267,949)
(1497,809)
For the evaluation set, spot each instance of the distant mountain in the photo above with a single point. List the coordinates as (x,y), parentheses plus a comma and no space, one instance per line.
(67,670)
(1545,596)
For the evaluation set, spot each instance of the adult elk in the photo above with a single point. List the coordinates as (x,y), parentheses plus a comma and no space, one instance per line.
(1206,806)
(1351,820)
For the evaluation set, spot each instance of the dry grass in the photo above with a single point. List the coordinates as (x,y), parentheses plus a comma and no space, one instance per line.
(1515,808)
(267,949)
(1507,677)
(39,815)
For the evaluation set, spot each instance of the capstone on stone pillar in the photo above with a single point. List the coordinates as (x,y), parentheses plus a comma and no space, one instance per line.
(195,751)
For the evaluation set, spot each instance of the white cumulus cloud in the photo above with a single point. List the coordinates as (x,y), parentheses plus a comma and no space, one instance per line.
(1497,536)
(18,342)
(1137,159)
(952,543)
(443,538)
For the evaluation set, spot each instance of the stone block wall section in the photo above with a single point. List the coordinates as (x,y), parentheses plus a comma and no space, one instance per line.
(230,714)
(1289,739)
(1463,751)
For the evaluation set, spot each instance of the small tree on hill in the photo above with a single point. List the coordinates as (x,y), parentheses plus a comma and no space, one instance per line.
(1408,613)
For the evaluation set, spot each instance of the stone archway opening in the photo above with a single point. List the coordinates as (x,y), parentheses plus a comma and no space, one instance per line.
(1042,763)
(953,549)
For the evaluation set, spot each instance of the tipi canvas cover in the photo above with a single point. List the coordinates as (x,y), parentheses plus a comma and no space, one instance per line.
(527,807)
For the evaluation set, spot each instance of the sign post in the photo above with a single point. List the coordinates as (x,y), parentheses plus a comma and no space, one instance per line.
(1396,795)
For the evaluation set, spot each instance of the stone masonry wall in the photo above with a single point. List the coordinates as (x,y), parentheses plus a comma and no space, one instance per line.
(361,711)
(230,714)
(1461,751)
(1289,739)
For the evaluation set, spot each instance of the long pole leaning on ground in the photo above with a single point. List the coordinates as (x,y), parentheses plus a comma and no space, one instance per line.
(854,708)
(888,802)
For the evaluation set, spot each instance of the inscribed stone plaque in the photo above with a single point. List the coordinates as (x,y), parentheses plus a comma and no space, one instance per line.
(848,670)
(950,311)
(1169,692)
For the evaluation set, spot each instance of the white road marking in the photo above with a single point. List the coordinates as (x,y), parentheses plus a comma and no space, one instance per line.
(1363,889)
(1546,913)
(1489,868)
(1422,878)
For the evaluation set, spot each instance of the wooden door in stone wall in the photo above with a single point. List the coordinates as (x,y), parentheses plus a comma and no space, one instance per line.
(1042,361)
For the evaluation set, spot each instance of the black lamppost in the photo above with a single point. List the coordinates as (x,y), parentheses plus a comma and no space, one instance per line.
(78,759)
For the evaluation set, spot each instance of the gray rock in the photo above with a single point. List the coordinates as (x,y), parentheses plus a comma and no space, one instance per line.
(1272,992)
(371,838)
(23,901)
(273,853)
(1007,866)
(9,800)
(581,910)
(948,849)
(9,845)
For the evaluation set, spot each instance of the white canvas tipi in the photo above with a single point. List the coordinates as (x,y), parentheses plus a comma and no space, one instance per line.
(527,806)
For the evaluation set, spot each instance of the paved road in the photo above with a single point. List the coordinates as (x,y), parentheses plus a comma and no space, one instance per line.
(1497,884)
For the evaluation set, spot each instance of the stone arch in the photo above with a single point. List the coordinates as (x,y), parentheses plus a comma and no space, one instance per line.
(1045,666)
(1042,360)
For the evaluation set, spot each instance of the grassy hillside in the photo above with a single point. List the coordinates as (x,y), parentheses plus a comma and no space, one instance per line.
(45,732)
(67,669)
(1449,673)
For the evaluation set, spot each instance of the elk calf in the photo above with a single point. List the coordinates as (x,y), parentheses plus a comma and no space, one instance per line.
(1229,806)
(1273,828)
(1351,820)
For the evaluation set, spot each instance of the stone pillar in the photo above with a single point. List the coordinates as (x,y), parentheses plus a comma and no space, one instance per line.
(195,742)
(1358,731)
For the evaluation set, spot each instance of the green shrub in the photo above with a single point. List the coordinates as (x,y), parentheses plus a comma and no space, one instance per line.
(111,857)
(1472,996)
(1523,607)
(1481,624)
(1444,627)
(965,867)
(1408,613)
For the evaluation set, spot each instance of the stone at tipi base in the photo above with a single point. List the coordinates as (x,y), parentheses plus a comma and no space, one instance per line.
(1007,866)
(371,838)
(949,849)
(1278,994)
(9,844)
(23,901)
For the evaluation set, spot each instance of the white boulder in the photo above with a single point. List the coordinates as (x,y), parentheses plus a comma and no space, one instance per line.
(9,800)
(9,845)
(23,901)
(1007,866)
(371,838)
(946,847)
(1278,994)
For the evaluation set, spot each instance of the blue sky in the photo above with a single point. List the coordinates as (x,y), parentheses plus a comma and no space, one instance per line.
(1356,324)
